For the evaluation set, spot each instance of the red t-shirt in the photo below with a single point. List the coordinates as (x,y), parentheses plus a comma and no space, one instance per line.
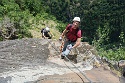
(73,34)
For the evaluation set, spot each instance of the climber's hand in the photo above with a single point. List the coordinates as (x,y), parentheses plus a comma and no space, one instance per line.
(69,47)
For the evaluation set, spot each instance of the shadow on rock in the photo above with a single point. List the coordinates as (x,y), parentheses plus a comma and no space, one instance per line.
(5,80)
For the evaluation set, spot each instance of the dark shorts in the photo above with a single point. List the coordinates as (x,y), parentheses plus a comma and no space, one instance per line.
(47,35)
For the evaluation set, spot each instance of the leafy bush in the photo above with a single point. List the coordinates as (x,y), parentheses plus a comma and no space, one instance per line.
(61,26)
(118,54)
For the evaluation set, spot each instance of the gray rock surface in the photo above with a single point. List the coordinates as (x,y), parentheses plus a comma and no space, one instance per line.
(26,52)
(26,60)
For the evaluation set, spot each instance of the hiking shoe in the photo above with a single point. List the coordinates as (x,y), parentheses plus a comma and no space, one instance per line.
(62,57)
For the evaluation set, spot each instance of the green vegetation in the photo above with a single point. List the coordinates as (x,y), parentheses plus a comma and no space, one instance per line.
(102,21)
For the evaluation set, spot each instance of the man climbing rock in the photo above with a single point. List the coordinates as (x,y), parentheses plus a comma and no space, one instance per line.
(46,33)
(72,38)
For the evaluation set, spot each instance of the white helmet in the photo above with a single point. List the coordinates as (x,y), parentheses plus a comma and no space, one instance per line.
(76,19)
(47,28)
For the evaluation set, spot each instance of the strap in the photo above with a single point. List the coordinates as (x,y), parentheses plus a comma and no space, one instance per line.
(70,26)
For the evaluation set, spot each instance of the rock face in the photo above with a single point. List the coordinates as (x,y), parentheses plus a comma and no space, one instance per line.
(85,52)
(28,60)
(122,66)
(17,53)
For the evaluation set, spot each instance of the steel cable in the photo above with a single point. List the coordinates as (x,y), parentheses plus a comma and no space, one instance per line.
(72,64)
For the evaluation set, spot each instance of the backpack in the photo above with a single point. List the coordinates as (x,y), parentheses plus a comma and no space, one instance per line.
(42,30)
